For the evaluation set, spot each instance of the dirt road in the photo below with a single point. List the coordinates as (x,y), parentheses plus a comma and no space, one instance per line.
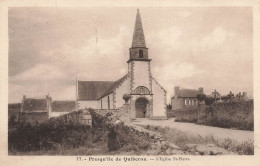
(216,132)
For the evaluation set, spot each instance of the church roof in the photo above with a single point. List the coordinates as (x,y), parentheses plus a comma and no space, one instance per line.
(63,106)
(138,37)
(188,93)
(115,85)
(92,90)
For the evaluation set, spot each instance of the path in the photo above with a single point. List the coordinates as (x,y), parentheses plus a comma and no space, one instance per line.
(218,133)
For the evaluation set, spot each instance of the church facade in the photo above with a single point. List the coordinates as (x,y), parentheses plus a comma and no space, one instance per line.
(147,98)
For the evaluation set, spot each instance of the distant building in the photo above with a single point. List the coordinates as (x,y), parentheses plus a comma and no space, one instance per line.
(185,98)
(35,111)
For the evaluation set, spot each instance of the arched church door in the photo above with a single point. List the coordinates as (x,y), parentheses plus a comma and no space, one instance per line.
(141,107)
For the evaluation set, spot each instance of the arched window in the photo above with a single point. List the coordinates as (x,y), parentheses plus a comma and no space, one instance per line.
(141,90)
(141,55)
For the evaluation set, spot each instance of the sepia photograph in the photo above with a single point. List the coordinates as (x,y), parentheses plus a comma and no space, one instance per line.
(130,83)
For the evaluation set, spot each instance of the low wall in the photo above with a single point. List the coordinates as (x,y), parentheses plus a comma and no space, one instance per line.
(239,115)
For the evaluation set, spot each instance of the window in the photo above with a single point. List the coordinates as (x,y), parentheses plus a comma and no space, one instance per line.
(185,102)
(141,55)
(141,90)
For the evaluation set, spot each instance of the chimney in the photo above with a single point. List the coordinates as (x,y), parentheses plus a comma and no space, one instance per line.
(176,90)
(200,90)
(24,96)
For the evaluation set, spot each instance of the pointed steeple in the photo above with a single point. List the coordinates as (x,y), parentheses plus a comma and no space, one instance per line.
(138,37)
(138,51)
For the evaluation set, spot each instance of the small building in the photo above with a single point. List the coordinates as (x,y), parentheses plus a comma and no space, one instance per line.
(34,111)
(185,98)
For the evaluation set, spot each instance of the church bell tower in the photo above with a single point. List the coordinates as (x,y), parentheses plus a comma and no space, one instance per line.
(138,63)
(138,51)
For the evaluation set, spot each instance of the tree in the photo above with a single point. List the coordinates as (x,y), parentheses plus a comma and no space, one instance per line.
(201,97)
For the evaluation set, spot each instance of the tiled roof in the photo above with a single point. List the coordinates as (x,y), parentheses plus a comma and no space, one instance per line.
(115,85)
(35,104)
(63,106)
(92,90)
(188,93)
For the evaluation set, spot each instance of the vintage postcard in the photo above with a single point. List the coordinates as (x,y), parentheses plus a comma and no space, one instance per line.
(144,83)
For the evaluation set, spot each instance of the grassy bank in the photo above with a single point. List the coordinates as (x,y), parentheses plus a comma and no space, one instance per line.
(57,138)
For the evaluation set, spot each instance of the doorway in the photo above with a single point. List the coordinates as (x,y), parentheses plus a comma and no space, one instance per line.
(141,107)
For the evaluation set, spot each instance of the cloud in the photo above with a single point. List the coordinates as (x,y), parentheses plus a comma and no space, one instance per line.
(39,72)
(172,73)
(94,61)
(185,51)
(167,38)
(217,37)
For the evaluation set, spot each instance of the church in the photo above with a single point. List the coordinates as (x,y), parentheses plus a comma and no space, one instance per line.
(147,98)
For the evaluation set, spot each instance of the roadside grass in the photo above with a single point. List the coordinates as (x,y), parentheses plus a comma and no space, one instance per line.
(182,138)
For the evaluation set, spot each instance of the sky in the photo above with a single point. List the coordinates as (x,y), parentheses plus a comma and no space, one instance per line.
(190,47)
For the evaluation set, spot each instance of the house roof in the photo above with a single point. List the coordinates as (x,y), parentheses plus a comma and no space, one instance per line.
(35,105)
(92,90)
(188,93)
(63,106)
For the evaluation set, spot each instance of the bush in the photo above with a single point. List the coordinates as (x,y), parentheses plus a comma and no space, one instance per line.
(238,115)
(187,115)
(47,136)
